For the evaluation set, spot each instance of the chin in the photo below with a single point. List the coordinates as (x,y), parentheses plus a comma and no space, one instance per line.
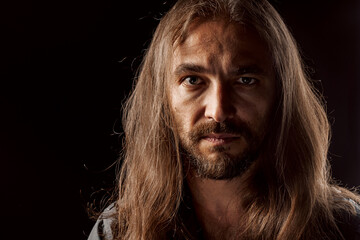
(220,166)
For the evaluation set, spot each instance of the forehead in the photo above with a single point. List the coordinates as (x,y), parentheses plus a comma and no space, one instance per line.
(214,40)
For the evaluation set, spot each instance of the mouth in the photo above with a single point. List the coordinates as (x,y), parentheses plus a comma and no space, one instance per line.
(220,138)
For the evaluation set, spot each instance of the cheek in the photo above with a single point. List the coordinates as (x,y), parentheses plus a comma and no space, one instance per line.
(180,114)
(263,100)
(186,111)
(264,111)
(255,110)
(183,119)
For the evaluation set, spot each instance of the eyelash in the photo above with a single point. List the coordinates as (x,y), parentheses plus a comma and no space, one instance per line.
(252,80)
(186,81)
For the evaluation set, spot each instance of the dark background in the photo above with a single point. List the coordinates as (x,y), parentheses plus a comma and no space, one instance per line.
(66,67)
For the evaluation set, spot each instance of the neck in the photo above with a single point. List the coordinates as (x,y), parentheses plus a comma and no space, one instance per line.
(217,204)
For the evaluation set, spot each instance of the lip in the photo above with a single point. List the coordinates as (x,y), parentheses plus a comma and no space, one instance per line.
(221,138)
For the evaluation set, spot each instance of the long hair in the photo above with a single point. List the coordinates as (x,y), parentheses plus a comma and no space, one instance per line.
(288,195)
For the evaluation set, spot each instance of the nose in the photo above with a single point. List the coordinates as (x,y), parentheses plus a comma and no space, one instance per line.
(219,105)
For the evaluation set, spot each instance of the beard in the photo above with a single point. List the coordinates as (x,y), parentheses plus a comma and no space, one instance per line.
(224,166)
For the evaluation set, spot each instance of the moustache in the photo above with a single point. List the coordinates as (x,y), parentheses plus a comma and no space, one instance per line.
(238,128)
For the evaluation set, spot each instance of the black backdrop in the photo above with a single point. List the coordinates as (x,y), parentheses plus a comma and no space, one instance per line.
(67,65)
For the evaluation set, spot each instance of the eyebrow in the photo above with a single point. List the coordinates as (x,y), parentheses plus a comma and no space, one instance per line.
(246,69)
(236,71)
(189,67)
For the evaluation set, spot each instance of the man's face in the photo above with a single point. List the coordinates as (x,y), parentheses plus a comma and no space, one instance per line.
(221,93)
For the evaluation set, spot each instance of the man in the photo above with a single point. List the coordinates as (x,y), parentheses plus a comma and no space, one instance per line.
(225,138)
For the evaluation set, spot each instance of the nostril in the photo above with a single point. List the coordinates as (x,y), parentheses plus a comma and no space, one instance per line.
(219,105)
(220,113)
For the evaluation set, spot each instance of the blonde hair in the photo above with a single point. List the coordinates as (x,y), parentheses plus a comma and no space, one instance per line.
(288,196)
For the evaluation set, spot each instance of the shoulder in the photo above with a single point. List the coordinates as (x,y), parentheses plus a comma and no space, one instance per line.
(102,228)
(349,222)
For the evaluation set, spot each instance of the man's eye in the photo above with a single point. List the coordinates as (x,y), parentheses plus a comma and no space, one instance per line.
(247,80)
(191,80)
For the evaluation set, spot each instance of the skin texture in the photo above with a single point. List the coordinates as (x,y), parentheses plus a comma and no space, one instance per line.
(222,89)
(221,93)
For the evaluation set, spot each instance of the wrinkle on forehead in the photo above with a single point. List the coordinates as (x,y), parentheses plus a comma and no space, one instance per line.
(221,41)
(214,35)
